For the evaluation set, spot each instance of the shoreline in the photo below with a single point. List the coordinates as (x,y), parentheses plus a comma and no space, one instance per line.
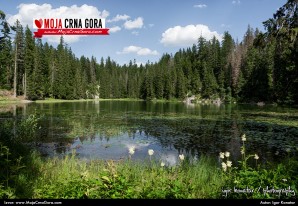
(20,100)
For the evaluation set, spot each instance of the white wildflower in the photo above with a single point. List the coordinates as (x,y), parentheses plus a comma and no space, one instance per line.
(256,157)
(222,155)
(227,154)
(243,137)
(224,166)
(150,152)
(181,157)
(131,150)
(229,163)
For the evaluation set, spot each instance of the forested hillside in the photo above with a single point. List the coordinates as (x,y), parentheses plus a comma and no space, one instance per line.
(261,67)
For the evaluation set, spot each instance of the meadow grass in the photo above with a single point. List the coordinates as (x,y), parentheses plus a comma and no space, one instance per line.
(70,177)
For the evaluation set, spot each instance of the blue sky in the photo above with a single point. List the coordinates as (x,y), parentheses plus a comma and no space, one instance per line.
(144,30)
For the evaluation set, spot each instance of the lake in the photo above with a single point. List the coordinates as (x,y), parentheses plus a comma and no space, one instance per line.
(106,129)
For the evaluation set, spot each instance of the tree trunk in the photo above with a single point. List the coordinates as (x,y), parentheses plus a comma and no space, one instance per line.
(25,85)
(15,74)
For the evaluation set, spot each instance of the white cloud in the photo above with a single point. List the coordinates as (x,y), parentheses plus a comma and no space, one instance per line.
(114,29)
(119,18)
(138,50)
(104,13)
(135,24)
(151,25)
(188,35)
(29,11)
(200,6)
(135,33)
(236,2)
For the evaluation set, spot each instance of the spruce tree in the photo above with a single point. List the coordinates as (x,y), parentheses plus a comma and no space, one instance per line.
(5,53)
(18,74)
(29,63)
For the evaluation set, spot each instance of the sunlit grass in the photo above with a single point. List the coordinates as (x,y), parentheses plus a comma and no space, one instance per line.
(73,178)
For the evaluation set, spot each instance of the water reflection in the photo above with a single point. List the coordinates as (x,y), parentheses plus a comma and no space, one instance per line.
(106,129)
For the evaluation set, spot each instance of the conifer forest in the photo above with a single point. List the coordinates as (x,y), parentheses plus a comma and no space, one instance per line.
(260,67)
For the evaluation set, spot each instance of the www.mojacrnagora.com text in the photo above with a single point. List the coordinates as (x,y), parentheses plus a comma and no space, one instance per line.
(34,202)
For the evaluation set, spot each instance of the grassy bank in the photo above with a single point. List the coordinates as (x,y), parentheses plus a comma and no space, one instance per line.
(20,99)
(50,100)
(6,101)
(72,178)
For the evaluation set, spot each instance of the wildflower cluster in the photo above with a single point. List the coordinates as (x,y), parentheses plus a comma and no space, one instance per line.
(242,151)
(228,163)
(131,151)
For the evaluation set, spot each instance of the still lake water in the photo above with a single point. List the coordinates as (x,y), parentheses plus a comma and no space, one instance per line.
(106,129)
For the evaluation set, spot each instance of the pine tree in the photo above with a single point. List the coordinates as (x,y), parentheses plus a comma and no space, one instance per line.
(180,86)
(158,82)
(283,28)
(209,85)
(226,55)
(18,60)
(36,77)
(28,60)
(5,53)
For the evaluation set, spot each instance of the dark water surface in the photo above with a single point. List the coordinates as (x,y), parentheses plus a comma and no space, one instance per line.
(106,129)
